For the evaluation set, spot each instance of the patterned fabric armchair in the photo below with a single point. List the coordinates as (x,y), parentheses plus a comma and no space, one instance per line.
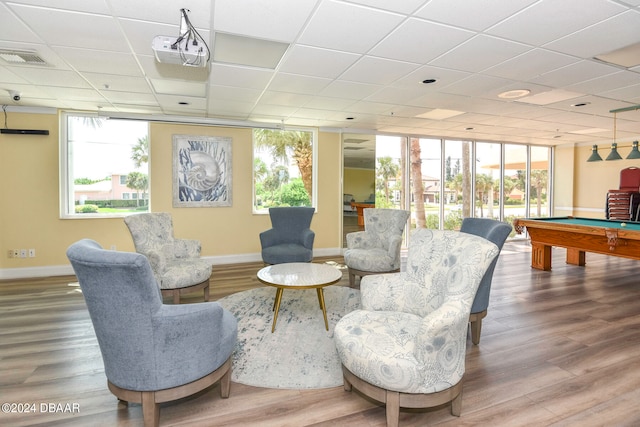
(290,239)
(496,232)
(176,263)
(377,248)
(152,353)
(406,346)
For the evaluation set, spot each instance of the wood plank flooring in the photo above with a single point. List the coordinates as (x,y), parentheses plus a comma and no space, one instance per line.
(559,348)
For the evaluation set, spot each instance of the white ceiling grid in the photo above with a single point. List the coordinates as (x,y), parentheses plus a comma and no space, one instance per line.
(355,65)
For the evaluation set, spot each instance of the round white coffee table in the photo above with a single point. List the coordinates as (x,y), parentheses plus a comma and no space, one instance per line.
(299,275)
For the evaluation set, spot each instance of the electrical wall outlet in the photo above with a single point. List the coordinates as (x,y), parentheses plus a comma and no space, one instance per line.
(32,253)
(23,253)
(10,253)
(15,253)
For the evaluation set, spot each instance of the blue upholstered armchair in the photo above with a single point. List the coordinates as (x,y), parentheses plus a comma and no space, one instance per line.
(152,353)
(376,249)
(406,346)
(176,263)
(496,232)
(290,239)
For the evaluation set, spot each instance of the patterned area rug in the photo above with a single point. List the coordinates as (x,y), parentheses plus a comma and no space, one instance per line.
(300,354)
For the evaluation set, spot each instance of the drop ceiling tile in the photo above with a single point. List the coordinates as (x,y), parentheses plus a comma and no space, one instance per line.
(77,94)
(574,73)
(350,90)
(218,93)
(327,103)
(172,103)
(129,98)
(348,27)
(477,85)
(374,70)
(284,82)
(77,5)
(284,98)
(118,83)
(61,28)
(405,6)
(311,61)
(479,53)
(100,61)
(531,64)
(199,11)
(279,20)
(14,29)
(474,15)
(606,83)
(621,30)
(229,75)
(394,95)
(236,109)
(53,77)
(629,93)
(443,76)
(280,111)
(405,43)
(548,20)
(171,87)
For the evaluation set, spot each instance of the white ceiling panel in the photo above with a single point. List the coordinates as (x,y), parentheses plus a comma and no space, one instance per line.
(374,70)
(480,53)
(147,10)
(531,64)
(278,20)
(348,27)
(365,59)
(412,41)
(76,29)
(311,61)
(621,31)
(548,20)
(474,15)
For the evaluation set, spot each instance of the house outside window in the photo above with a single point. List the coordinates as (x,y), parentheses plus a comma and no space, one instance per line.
(104,166)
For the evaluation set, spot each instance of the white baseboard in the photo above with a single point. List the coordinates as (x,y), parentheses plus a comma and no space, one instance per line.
(66,270)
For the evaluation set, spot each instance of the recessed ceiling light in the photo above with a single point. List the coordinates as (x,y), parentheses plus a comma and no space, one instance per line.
(183,103)
(349,118)
(439,114)
(468,128)
(512,94)
(580,104)
(429,81)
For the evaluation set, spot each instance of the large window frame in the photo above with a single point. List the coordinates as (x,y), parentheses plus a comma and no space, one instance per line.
(111,142)
(288,163)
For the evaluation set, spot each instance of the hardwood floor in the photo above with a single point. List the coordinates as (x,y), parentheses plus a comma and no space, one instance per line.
(559,348)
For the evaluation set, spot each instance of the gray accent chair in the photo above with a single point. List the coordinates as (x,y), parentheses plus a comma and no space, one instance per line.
(152,352)
(290,239)
(407,345)
(176,263)
(496,232)
(376,249)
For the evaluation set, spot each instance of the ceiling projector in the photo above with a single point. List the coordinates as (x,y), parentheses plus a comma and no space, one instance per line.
(184,52)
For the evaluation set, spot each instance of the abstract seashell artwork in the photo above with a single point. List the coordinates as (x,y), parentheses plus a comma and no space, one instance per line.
(205,172)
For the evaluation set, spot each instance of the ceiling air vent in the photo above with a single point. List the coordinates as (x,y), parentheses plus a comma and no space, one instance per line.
(18,57)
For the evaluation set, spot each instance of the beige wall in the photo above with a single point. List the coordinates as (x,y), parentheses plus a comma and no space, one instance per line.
(29,169)
(359,182)
(594,179)
(29,210)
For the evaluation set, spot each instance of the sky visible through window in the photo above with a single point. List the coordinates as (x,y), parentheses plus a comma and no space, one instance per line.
(102,151)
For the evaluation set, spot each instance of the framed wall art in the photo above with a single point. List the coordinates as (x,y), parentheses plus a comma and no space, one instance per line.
(201,171)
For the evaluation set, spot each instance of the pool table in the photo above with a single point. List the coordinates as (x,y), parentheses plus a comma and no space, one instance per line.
(579,235)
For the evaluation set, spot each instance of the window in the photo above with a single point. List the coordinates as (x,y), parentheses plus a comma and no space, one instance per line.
(104,166)
(284,168)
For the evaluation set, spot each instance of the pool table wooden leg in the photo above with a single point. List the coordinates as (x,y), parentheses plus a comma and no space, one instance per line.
(575,257)
(541,256)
